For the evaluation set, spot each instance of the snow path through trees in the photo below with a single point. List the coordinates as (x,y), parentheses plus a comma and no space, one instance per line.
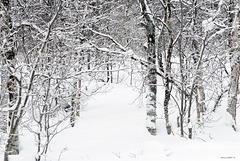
(111,128)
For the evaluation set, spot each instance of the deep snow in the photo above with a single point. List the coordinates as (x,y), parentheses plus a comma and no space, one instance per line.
(112,128)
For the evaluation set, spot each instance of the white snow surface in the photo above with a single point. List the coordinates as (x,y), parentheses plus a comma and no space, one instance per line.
(112,128)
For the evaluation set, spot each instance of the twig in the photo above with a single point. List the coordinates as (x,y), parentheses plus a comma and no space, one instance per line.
(117,154)
(62,151)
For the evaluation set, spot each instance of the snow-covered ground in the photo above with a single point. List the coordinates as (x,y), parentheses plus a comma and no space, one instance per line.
(112,128)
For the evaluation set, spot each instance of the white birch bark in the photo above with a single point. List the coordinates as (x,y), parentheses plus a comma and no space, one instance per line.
(9,59)
(151,76)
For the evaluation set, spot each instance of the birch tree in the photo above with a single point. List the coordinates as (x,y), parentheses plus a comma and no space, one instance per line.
(234,55)
(13,83)
(18,97)
(151,75)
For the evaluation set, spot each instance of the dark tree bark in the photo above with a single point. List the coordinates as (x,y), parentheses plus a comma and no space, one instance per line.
(167,84)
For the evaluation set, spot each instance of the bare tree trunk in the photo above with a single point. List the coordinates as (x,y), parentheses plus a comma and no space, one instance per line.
(195,80)
(168,86)
(183,88)
(199,90)
(79,85)
(233,88)
(73,108)
(89,61)
(16,104)
(151,76)
(200,98)
(109,73)
(235,62)
(14,117)
(9,57)
(3,95)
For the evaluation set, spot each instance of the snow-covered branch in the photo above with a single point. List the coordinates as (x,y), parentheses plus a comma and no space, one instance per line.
(109,37)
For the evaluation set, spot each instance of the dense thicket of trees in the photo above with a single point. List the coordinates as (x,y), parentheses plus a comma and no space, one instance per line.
(51,49)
